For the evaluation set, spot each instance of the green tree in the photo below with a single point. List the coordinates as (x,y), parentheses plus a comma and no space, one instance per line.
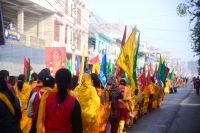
(194,10)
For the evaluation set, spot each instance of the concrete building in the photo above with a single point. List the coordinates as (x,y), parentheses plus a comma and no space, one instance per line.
(100,43)
(46,23)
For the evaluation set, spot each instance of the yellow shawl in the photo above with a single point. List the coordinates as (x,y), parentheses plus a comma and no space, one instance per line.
(89,102)
(41,112)
(23,95)
(4,98)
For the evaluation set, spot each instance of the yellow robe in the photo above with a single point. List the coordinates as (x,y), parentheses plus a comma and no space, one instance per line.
(155,97)
(104,110)
(146,99)
(167,87)
(90,104)
(23,95)
(160,95)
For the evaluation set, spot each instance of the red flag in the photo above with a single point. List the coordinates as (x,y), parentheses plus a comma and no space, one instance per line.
(151,69)
(123,42)
(27,67)
(124,38)
(148,77)
(94,59)
(167,71)
(142,79)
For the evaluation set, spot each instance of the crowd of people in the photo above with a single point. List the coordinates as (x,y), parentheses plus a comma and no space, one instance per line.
(63,104)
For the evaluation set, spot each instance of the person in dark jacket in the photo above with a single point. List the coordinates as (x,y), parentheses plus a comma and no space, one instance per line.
(6,77)
(10,111)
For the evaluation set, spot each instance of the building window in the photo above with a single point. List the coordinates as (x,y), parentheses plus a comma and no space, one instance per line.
(66,6)
(79,41)
(79,15)
(66,35)
(56,31)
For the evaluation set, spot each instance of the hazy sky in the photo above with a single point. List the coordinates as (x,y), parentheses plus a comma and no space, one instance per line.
(157,20)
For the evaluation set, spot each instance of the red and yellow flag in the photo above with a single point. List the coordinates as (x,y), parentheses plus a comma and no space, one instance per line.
(125,59)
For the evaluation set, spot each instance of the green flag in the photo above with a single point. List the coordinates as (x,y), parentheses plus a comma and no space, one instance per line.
(109,68)
(170,76)
(28,70)
(135,61)
(68,66)
(160,64)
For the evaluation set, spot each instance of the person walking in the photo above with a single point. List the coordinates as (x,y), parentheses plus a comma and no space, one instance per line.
(197,85)
(90,104)
(22,91)
(10,113)
(58,111)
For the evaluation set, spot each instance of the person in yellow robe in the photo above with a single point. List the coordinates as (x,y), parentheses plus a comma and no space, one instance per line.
(168,86)
(105,105)
(146,95)
(155,96)
(90,104)
(160,95)
(22,91)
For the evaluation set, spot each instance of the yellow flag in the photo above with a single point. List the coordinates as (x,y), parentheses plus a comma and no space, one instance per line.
(126,57)
(82,63)
(95,68)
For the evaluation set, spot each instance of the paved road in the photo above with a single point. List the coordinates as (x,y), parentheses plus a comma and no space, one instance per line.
(179,113)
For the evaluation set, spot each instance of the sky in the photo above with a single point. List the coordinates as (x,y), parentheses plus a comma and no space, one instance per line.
(160,25)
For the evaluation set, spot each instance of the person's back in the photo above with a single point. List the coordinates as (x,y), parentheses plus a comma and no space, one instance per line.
(7,123)
(10,113)
(58,114)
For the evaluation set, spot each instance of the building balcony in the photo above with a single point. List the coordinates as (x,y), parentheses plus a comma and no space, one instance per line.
(27,40)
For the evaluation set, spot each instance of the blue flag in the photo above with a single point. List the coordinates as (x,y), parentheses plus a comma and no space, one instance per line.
(160,83)
(102,74)
(78,66)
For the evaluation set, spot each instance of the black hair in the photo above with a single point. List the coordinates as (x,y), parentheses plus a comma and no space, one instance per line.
(3,84)
(63,79)
(136,91)
(4,89)
(12,80)
(123,81)
(49,81)
(74,82)
(20,82)
(96,80)
(152,79)
(43,73)
(5,72)
(34,76)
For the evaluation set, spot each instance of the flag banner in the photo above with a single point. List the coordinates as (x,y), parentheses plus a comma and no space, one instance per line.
(55,58)
(82,63)
(135,61)
(160,83)
(96,68)
(102,74)
(68,65)
(125,59)
(78,65)
(94,60)
(109,68)
(170,76)
(27,68)
(120,71)
(142,79)
(148,77)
